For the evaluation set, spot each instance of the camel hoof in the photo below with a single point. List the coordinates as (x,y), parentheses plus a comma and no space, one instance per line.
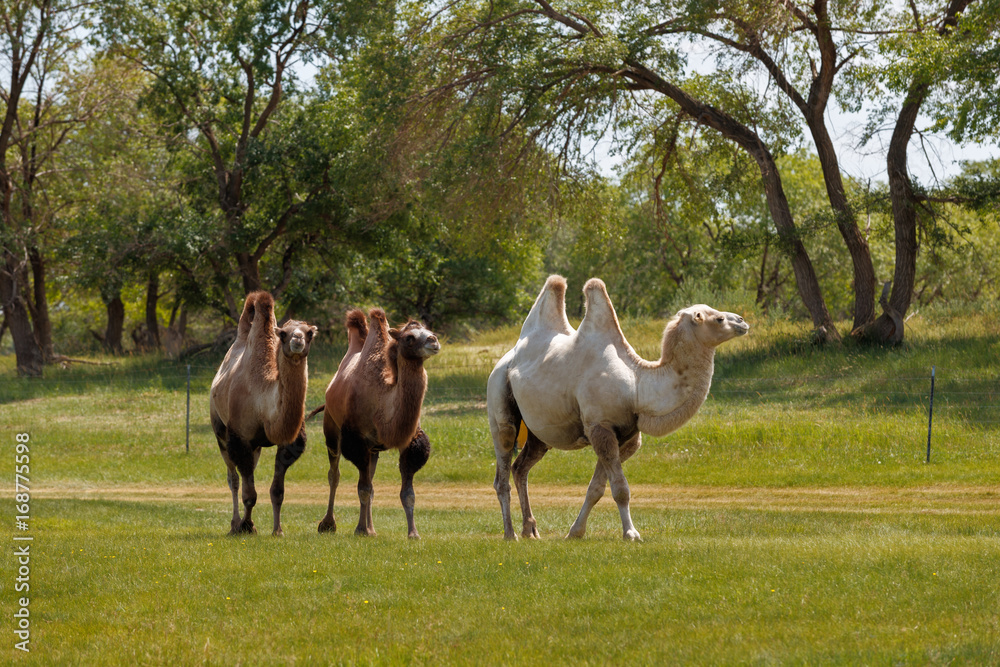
(364,532)
(632,536)
(278,533)
(328,526)
(414,535)
(574,536)
(531,534)
(244,528)
(510,537)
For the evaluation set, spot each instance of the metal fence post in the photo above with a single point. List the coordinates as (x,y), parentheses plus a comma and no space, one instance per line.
(930,417)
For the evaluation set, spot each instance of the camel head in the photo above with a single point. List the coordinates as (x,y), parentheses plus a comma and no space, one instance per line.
(710,326)
(415,341)
(295,339)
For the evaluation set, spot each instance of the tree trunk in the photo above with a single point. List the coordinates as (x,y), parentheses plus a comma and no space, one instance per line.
(29,356)
(152,295)
(904,211)
(805,275)
(904,217)
(857,246)
(39,305)
(116,323)
(249,272)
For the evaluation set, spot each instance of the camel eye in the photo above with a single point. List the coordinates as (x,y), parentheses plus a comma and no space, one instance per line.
(720,320)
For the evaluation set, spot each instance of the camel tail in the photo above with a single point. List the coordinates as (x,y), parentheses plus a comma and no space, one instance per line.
(549,310)
(314,412)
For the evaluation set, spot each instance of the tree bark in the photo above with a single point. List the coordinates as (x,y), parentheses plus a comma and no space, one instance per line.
(39,305)
(29,356)
(116,323)
(249,272)
(152,296)
(857,246)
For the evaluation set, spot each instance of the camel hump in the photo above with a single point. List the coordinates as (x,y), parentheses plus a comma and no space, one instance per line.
(257,305)
(380,327)
(549,310)
(265,309)
(600,316)
(356,320)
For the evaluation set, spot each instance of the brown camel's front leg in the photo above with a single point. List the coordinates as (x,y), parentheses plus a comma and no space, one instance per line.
(412,459)
(598,483)
(534,450)
(233,480)
(286,456)
(366,493)
(605,443)
(245,460)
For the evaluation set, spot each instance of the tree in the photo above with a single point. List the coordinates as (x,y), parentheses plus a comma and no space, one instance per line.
(222,72)
(915,86)
(801,49)
(43,102)
(568,70)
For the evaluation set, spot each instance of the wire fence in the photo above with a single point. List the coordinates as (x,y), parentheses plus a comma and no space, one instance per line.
(959,399)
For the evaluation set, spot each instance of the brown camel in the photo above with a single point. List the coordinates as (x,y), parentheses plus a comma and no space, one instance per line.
(258,400)
(588,388)
(373,404)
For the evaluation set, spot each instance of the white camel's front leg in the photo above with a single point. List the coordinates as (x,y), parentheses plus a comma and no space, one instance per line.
(606,445)
(594,493)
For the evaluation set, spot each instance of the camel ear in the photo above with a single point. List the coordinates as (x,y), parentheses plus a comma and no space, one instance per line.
(698,317)
(394,333)
(279,333)
(312,331)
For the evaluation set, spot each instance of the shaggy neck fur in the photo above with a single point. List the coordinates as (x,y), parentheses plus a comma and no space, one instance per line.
(293,381)
(400,382)
(272,375)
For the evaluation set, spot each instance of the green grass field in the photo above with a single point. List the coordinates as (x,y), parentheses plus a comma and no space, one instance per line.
(793,520)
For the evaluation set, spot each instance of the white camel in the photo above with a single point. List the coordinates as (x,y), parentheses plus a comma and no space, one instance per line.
(589,387)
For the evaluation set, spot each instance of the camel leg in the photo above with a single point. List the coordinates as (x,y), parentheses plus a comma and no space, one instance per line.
(332,432)
(232,476)
(534,450)
(366,493)
(283,460)
(598,483)
(245,460)
(504,421)
(233,479)
(412,459)
(605,443)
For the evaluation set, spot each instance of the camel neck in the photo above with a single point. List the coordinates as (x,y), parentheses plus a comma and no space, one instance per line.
(407,397)
(670,393)
(293,381)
